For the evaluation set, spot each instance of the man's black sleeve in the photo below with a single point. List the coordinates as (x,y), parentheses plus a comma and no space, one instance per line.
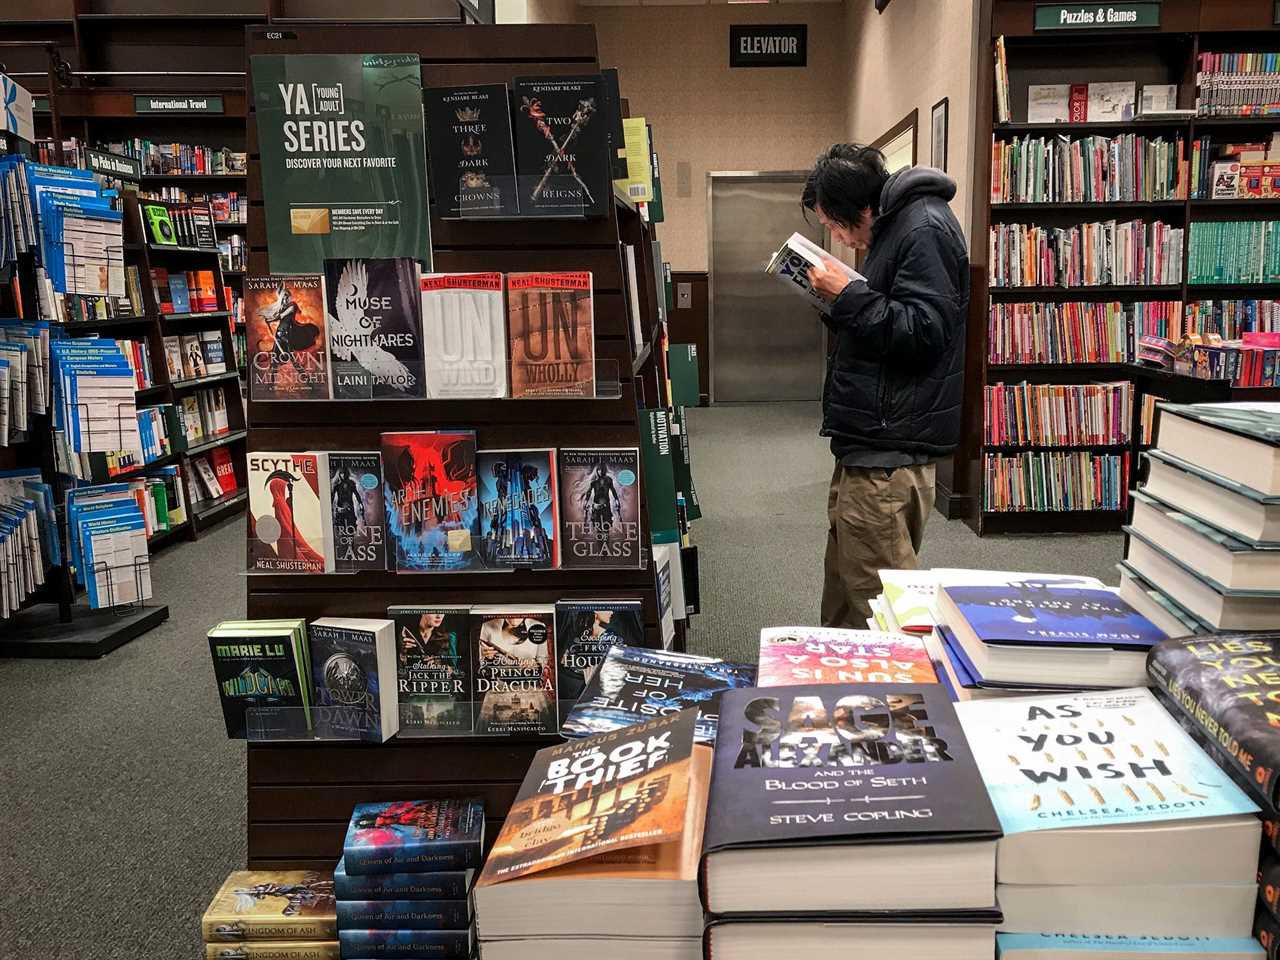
(916,320)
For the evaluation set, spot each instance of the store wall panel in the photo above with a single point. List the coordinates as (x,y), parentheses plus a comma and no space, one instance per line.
(322,765)
(305,802)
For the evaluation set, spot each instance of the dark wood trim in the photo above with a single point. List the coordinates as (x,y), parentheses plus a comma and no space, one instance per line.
(910,122)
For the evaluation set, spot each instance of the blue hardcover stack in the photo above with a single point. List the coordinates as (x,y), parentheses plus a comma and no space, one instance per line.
(403,884)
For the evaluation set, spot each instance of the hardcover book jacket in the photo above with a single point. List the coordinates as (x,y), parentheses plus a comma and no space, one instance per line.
(469,142)
(519,509)
(433,668)
(287,346)
(410,835)
(437,885)
(429,480)
(255,671)
(465,329)
(344,669)
(586,631)
(1046,614)
(375,329)
(272,905)
(410,944)
(890,761)
(357,513)
(286,513)
(551,328)
(599,507)
(515,671)
(820,655)
(562,145)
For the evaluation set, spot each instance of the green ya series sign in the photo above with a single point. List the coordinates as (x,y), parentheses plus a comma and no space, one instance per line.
(1097,16)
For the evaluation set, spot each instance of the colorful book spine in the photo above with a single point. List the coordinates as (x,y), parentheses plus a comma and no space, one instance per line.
(404,914)
(1041,481)
(442,885)
(1021,414)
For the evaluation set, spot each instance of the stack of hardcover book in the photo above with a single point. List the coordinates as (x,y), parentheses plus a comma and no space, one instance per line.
(1203,549)
(847,820)
(791,655)
(599,854)
(403,884)
(282,914)
(1114,819)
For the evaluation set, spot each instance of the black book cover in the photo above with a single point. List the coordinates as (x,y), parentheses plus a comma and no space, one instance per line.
(433,667)
(1269,880)
(613,113)
(562,145)
(514,670)
(892,761)
(470,151)
(344,669)
(255,671)
(358,515)
(1266,930)
(375,328)
(586,630)
(1225,686)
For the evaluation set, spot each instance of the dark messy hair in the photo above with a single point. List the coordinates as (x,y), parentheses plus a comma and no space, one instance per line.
(846,179)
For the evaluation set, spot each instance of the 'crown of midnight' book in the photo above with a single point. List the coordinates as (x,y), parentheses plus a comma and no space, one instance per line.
(436,885)
(515,669)
(551,329)
(261,667)
(519,508)
(586,630)
(469,143)
(429,480)
(272,905)
(285,332)
(562,145)
(286,513)
(465,329)
(375,329)
(408,835)
(358,519)
(433,660)
(599,507)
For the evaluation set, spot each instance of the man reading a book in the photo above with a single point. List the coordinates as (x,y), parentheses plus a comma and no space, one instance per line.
(895,363)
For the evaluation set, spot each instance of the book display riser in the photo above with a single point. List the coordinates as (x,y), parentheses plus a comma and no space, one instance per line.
(300,794)
(1164,55)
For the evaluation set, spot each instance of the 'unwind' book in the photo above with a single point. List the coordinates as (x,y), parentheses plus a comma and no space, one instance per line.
(409,835)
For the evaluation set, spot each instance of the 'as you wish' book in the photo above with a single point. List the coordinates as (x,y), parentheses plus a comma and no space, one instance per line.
(464,328)
(375,329)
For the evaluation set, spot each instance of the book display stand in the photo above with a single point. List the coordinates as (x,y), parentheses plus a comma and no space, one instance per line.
(300,794)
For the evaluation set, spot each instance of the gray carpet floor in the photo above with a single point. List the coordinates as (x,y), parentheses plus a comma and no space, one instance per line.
(122,801)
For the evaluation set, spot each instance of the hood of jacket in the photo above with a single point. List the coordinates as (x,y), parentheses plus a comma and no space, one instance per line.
(912,183)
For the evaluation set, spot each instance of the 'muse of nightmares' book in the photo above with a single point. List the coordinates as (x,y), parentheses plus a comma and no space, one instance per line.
(824,655)
(375,329)
(429,484)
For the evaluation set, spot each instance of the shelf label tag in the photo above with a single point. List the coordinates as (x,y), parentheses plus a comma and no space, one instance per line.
(177,103)
(1097,16)
(114,165)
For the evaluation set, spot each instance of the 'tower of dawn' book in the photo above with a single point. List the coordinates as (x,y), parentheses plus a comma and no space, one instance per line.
(826,655)
(891,772)
(409,835)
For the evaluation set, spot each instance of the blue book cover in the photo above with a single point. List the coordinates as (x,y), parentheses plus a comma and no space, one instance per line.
(519,508)
(404,914)
(1012,946)
(348,690)
(441,885)
(179,293)
(414,944)
(1093,759)
(1042,614)
(407,835)
(429,491)
(970,676)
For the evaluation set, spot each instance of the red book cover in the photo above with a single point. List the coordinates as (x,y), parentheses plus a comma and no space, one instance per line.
(1078,105)
(223,469)
(429,487)
(551,329)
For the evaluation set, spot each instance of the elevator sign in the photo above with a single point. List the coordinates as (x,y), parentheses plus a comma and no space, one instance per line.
(768,45)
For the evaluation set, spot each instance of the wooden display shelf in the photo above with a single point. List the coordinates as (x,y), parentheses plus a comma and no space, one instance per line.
(1052,521)
(1166,291)
(219,441)
(1087,129)
(206,510)
(1005,211)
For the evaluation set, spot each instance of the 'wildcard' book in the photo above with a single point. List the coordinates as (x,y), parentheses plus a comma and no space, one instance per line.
(551,328)
(465,331)
(515,669)
(261,667)
(429,481)
(358,519)
(375,329)
(286,513)
(586,630)
(433,662)
(826,655)
(288,348)
(272,905)
(437,885)
(519,508)
(410,835)
(599,507)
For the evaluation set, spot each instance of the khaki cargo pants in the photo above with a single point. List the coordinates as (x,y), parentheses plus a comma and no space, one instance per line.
(876,517)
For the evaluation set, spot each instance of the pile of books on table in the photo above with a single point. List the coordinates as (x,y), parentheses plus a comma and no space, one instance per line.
(272,913)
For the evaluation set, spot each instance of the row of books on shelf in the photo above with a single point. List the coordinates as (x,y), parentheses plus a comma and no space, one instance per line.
(1129,253)
(428,501)
(1124,168)
(1235,170)
(1053,480)
(191,355)
(1022,414)
(1234,252)
(29,539)
(233,252)
(170,224)
(1109,101)
(374,329)
(177,158)
(1238,84)
(108,526)
(24,376)
(215,475)
(229,207)
(185,291)
(163,430)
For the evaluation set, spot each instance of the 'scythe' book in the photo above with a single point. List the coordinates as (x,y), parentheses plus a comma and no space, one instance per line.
(375,329)
(354,674)
(429,484)
(357,517)
(272,905)
(464,329)
(826,655)
(519,508)
(599,507)
(437,885)
(287,347)
(514,658)
(406,836)
(287,513)
(551,330)
(404,914)
(261,666)
(410,944)
(562,145)
(790,265)
(469,144)
(586,630)
(433,662)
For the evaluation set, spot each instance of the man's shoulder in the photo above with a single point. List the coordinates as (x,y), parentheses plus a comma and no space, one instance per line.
(931,213)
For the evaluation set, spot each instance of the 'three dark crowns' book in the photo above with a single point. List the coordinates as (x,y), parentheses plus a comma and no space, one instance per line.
(898,779)
(287,347)
(599,507)
(286,513)
(357,517)
(261,666)
(586,630)
(514,664)
(519,508)
(272,905)
(551,330)
(375,329)
(433,662)
(353,670)
(407,836)
(634,684)
(465,331)
(562,145)
(429,484)
(469,143)
(437,885)
(1223,689)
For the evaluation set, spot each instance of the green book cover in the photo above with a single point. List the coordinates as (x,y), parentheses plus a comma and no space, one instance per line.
(682,466)
(655,205)
(343,158)
(682,364)
(659,476)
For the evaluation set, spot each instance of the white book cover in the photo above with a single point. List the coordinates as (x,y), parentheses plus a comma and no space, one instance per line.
(790,265)
(464,336)
(1048,102)
(208,479)
(1112,102)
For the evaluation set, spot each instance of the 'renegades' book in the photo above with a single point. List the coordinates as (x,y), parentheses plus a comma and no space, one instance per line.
(287,513)
(633,684)
(437,885)
(410,944)
(464,327)
(469,145)
(429,484)
(433,662)
(551,332)
(586,630)
(353,671)
(562,145)
(519,509)
(357,517)
(405,836)
(514,663)
(790,266)
(599,507)
(271,905)
(273,950)
(826,655)
(375,329)
(404,914)
(287,345)
(262,666)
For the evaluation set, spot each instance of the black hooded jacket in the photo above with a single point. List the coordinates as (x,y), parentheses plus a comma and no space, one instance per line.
(895,367)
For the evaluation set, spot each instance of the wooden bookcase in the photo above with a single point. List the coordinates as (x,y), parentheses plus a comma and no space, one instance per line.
(300,795)
(1165,54)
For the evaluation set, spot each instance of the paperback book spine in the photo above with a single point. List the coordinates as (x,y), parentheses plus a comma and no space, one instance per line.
(415,944)
(404,914)
(443,885)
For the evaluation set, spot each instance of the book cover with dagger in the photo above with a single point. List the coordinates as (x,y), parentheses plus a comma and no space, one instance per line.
(562,145)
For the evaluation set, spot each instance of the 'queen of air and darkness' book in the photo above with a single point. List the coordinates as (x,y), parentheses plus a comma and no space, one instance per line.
(464,327)
(272,905)
(599,507)
(433,660)
(407,836)
(469,142)
(286,513)
(358,519)
(409,944)
(375,329)
(515,669)
(411,885)
(825,655)
(519,508)
(551,329)
(429,483)
(586,630)
(288,349)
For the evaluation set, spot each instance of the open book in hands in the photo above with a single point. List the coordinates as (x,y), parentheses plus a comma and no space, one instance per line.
(791,266)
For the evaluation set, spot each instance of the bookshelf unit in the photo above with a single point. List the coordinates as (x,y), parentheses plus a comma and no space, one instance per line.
(1167,54)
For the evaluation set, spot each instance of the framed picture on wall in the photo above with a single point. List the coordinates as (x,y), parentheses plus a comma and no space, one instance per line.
(938,135)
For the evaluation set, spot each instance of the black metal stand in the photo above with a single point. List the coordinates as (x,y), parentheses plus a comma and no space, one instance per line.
(39,633)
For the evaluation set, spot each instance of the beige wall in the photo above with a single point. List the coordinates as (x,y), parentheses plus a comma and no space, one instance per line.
(910,57)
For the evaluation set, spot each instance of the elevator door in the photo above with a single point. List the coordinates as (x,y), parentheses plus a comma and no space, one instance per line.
(766,343)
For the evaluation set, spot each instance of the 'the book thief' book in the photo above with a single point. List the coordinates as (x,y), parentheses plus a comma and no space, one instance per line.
(519,508)
(375,329)
(357,517)
(433,662)
(562,145)
(407,836)
(599,507)
(469,144)
(465,331)
(354,674)
(272,905)
(514,660)
(551,329)
(429,484)
(826,655)
(288,349)
(586,630)
(436,885)
(286,513)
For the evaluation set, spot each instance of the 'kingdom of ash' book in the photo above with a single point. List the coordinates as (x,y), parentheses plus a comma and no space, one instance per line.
(375,329)
(464,328)
(272,905)
(429,485)
(469,141)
